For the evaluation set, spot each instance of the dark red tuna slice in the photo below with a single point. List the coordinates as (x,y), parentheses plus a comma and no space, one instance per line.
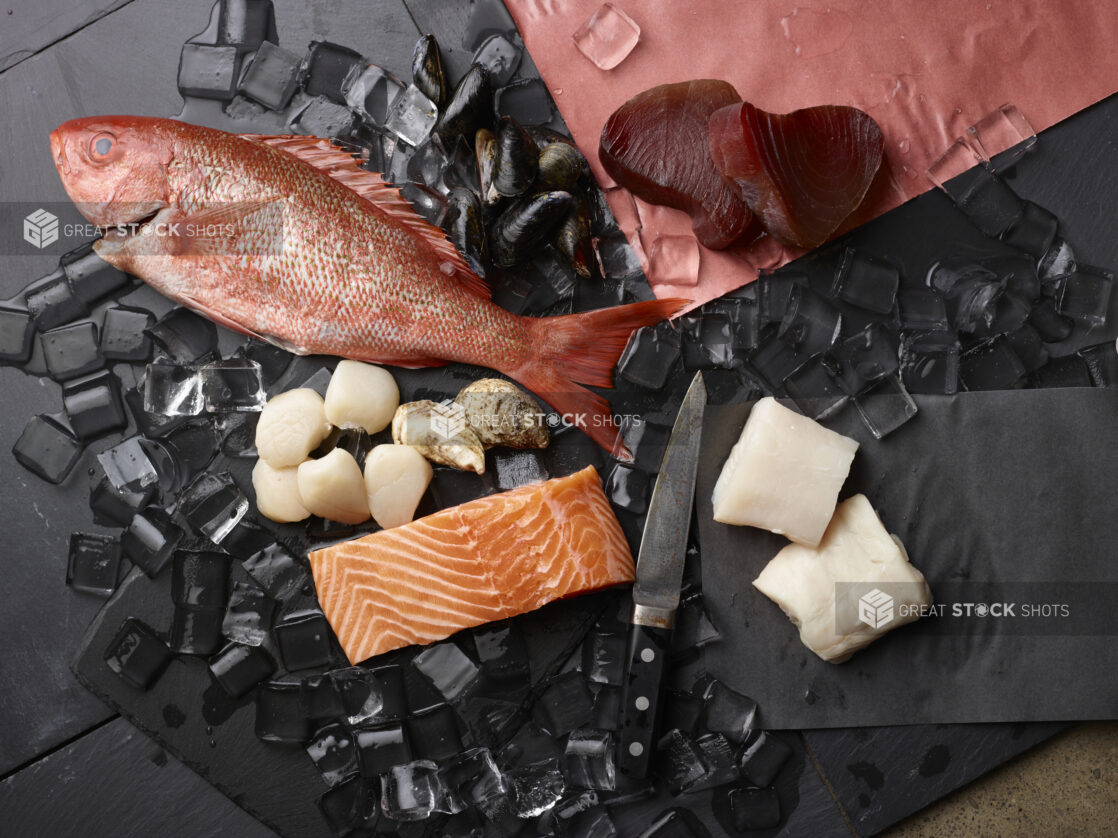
(657,146)
(802,173)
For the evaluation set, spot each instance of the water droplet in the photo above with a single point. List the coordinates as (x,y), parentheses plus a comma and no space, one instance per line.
(213,744)
(809,697)
(904,145)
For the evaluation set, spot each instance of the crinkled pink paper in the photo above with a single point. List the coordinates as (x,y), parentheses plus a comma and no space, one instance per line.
(925,70)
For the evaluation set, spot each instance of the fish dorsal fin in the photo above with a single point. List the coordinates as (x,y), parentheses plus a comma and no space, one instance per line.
(343,167)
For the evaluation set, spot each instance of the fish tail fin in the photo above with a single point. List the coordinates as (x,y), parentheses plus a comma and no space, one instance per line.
(583,348)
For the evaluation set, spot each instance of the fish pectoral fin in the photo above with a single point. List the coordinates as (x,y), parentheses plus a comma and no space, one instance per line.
(232,228)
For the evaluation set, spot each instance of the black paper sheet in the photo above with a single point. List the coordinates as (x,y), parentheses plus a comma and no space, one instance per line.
(1000,498)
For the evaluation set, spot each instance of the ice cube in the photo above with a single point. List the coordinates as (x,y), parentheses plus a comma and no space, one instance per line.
(958,158)
(866,281)
(412,116)
(1028,347)
(930,362)
(137,654)
(682,711)
(990,203)
(1058,261)
(811,324)
(992,365)
(94,563)
(173,389)
(281,713)
(922,308)
(1034,231)
(1084,294)
(273,360)
(865,357)
(326,68)
(334,752)
(321,117)
(564,705)
(47,448)
(679,761)
(1049,323)
(90,276)
(718,758)
(93,405)
(745,320)
(649,358)
(617,258)
(128,466)
(1102,362)
(607,708)
(1017,272)
(234,385)
(815,389)
(248,616)
(500,57)
(184,335)
(277,572)
(486,17)
(447,668)
(725,710)
(774,360)
(303,639)
(371,696)
(673,260)
(1003,134)
(196,631)
(412,791)
(763,758)
(428,164)
(535,788)
(111,507)
(372,92)
(271,77)
(150,540)
(208,72)
(528,102)
(124,334)
(473,778)
(1068,371)
(352,806)
(517,468)
(755,808)
(239,668)
(502,652)
(17,333)
(607,37)
(708,342)
(322,699)
(629,488)
(604,658)
(774,293)
(71,351)
(589,759)
(433,733)
(693,625)
(200,579)
(885,407)
(213,505)
(53,302)
(972,303)
(381,748)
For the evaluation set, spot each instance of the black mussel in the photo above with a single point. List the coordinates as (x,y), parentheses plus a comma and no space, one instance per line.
(546,136)
(427,70)
(524,226)
(517,161)
(470,106)
(573,239)
(466,228)
(561,166)
(485,153)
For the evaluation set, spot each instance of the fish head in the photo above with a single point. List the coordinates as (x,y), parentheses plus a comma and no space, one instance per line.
(114,168)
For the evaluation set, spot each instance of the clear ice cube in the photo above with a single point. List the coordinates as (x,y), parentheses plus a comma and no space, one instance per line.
(1068,371)
(173,389)
(990,203)
(71,351)
(673,260)
(1017,272)
(649,357)
(1102,362)
(957,159)
(321,117)
(277,571)
(535,788)
(327,67)
(1028,347)
(17,334)
(726,711)
(281,713)
(810,324)
(47,448)
(763,758)
(500,56)
(502,652)
(137,654)
(885,407)
(303,640)
(334,752)
(448,668)
(94,563)
(91,277)
(53,302)
(629,488)
(866,357)
(372,92)
(150,540)
(604,658)
(1084,294)
(528,102)
(708,341)
(113,508)
(196,631)
(200,578)
(1058,261)
(1003,135)
(930,362)
(992,365)
(718,758)
(207,71)
(774,360)
(815,389)
(213,505)
(128,466)
(866,281)
(922,308)
(679,761)
(239,668)
(607,37)
(352,806)
(564,705)
(1034,231)
(517,468)
(607,708)
(248,615)
(93,405)
(694,627)
(412,791)
(1052,326)
(412,116)
(617,258)
(271,77)
(589,760)
(755,808)
(473,778)
(124,334)
(433,733)
(184,336)
(380,748)
(232,386)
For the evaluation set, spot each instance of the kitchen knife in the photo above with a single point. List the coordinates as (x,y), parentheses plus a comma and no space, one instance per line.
(656,592)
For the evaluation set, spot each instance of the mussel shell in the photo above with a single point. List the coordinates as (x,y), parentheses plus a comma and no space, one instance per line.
(470,106)
(546,136)
(485,153)
(573,239)
(427,70)
(524,226)
(465,226)
(517,160)
(560,166)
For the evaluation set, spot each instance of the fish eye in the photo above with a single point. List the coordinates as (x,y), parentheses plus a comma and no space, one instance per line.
(101,145)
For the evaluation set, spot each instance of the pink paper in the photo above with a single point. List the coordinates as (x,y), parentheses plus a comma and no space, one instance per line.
(924,70)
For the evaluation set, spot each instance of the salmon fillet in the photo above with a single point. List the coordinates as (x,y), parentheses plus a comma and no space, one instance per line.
(485,560)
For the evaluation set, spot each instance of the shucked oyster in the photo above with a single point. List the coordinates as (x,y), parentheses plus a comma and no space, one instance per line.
(500,413)
(440,433)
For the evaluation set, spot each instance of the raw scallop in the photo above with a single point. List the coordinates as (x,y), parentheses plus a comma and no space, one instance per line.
(656,145)
(801,173)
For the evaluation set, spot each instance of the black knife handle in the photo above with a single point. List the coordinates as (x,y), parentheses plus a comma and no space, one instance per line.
(640,709)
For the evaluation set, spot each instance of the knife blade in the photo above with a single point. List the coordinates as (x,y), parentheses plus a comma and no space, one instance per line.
(656,592)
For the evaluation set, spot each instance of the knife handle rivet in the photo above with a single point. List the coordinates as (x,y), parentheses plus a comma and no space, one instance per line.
(647,655)
(636,749)
(641,703)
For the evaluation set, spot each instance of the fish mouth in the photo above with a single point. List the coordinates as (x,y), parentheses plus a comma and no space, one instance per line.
(128,228)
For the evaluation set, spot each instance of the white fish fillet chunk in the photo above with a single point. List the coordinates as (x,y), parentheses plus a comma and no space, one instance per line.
(783,474)
(806,583)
